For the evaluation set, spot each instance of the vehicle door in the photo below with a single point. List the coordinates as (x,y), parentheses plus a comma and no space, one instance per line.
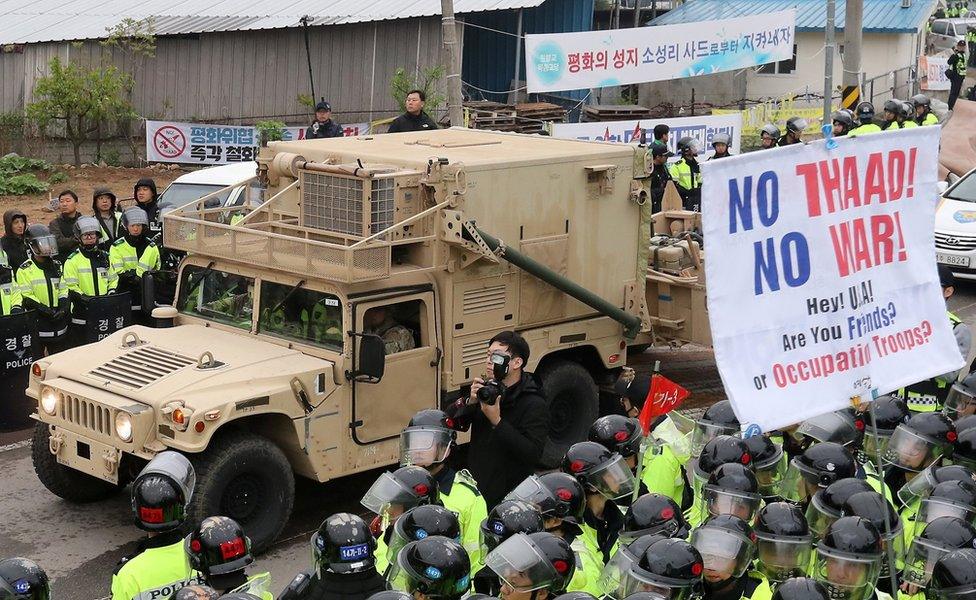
(410,383)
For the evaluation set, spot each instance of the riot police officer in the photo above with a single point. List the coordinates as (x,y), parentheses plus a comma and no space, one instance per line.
(848,558)
(731,489)
(23,579)
(427,442)
(686,173)
(40,285)
(659,469)
(843,123)
(881,514)
(718,419)
(954,575)
(11,300)
(865,115)
(727,545)
(961,401)
(923,110)
(769,463)
(611,579)
(784,542)
(133,255)
(160,497)
(918,443)
(432,568)
(938,538)
(420,522)
(670,567)
(507,518)
(818,466)
(826,504)
(653,514)
(794,131)
(889,116)
(87,274)
(718,451)
(906,116)
(721,143)
(800,588)
(343,566)
(532,566)
(220,551)
(884,414)
(768,136)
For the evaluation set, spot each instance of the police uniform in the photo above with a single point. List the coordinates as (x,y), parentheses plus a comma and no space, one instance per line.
(930,394)
(586,578)
(44,287)
(600,536)
(459,494)
(10,297)
(687,177)
(257,585)
(661,472)
(929,119)
(125,257)
(157,572)
(908,124)
(864,129)
(87,276)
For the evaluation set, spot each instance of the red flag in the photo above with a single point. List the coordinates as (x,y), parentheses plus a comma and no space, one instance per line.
(663,397)
(637,131)
(606,135)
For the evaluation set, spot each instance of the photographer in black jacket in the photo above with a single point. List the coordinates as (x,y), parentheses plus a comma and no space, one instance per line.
(509,422)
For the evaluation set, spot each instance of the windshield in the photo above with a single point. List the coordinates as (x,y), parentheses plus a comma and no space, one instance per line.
(217,296)
(305,315)
(181,194)
(964,191)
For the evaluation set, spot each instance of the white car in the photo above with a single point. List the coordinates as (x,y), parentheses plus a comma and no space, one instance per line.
(955,227)
(197,184)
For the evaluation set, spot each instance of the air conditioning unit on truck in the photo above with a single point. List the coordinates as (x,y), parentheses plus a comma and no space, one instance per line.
(265,372)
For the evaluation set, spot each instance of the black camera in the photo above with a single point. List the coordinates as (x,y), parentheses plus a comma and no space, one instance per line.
(494,388)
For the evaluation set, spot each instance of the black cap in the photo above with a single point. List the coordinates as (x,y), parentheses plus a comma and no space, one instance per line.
(658,149)
(323,105)
(946,278)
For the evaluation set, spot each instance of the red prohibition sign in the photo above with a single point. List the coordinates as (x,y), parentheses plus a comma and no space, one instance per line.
(169,141)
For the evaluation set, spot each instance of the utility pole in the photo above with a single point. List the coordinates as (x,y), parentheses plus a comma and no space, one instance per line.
(453,56)
(851,95)
(829,60)
(637,12)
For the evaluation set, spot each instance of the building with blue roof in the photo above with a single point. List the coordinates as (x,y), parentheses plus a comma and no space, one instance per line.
(894,32)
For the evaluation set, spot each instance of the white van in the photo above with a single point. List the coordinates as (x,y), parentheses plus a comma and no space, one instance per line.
(197,184)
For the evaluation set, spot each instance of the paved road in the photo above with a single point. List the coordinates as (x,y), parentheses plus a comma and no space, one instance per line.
(80,545)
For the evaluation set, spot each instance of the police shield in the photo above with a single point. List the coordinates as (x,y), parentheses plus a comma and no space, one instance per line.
(19,348)
(106,315)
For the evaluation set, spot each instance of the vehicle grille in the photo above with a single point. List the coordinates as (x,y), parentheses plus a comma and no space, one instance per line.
(85,413)
(335,203)
(483,300)
(141,367)
(954,241)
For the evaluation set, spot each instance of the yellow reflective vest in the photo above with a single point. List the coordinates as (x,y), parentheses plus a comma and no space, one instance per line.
(156,573)
(89,275)
(684,177)
(43,287)
(124,257)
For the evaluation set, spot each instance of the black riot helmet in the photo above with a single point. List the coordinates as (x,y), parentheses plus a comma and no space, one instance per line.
(343,544)
(162,491)
(218,549)
(796,125)
(535,561)
(435,566)
(506,519)
(800,588)
(41,241)
(722,539)
(826,505)
(612,577)
(557,495)
(720,450)
(949,498)
(618,433)
(427,439)
(405,488)
(954,576)
(843,427)
(732,489)
(783,541)
(920,442)
(964,453)
(653,514)
(887,413)
(23,579)
(873,507)
(938,538)
(923,483)
(718,419)
(865,112)
(421,522)
(599,469)
(852,546)
(671,564)
(844,119)
(892,106)
(770,464)
(818,466)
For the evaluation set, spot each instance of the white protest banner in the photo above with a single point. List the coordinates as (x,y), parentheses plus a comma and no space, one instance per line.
(629,132)
(200,143)
(933,70)
(595,59)
(824,287)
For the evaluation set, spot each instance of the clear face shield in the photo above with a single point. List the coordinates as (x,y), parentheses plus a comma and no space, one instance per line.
(799,483)
(705,432)
(386,493)
(44,245)
(897,544)
(719,501)
(932,508)
(819,517)
(725,555)
(845,576)
(919,487)
(920,560)
(770,474)
(531,491)
(424,446)
(399,539)
(637,580)
(782,557)
(613,479)
(959,403)
(520,565)
(175,467)
(612,577)
(830,427)
(910,451)
(876,442)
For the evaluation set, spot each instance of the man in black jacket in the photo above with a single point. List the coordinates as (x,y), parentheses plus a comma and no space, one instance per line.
(660,176)
(62,227)
(507,436)
(323,126)
(147,198)
(415,119)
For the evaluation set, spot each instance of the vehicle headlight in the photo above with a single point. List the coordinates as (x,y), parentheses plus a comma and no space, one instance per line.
(49,400)
(123,426)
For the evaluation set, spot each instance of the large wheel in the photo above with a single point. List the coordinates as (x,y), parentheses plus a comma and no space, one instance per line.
(62,481)
(574,402)
(245,477)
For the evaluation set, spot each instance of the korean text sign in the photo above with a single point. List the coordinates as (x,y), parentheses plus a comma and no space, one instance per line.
(826,285)
(595,59)
(933,69)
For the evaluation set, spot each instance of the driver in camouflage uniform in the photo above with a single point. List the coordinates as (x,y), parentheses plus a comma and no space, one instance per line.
(396,337)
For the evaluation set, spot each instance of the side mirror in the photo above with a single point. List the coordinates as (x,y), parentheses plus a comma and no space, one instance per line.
(942,187)
(371,361)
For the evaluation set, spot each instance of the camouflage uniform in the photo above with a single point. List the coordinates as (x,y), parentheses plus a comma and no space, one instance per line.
(396,337)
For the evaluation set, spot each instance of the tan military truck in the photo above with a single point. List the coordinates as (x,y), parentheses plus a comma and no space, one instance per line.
(365,288)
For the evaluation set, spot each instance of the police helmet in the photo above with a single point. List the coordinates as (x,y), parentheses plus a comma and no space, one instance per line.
(506,519)
(865,112)
(556,495)
(965,450)
(41,241)
(723,539)
(884,414)
(769,130)
(672,564)
(535,561)
(800,588)
(783,540)
(921,100)
(954,575)
(818,466)
(599,469)
(162,492)
(618,433)
(938,538)
(769,462)
(134,215)
(687,145)
(843,427)
(718,419)
(961,400)
(23,579)
(421,522)
(907,111)
(405,488)
(722,450)
(796,125)
(732,489)
(343,544)
(826,504)
(435,566)
(427,439)
(653,514)
(918,443)
(844,119)
(721,138)
(85,225)
(218,548)
(892,106)
(852,545)
(964,423)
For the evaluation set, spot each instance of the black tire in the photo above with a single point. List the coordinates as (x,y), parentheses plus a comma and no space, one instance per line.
(574,402)
(62,481)
(245,477)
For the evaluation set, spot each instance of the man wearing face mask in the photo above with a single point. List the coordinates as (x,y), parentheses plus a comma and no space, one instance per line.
(508,417)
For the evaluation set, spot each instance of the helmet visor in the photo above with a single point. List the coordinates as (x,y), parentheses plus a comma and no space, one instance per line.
(385,492)
(719,501)
(492,534)
(819,517)
(533,492)
(175,467)
(21,590)
(799,483)
(424,446)
(520,565)
(921,559)
(829,427)
(770,474)
(782,557)
(638,580)
(613,479)
(725,555)
(704,432)
(399,576)
(919,487)
(910,451)
(612,578)
(44,245)
(799,125)
(933,508)
(959,403)
(674,527)
(875,443)
(846,576)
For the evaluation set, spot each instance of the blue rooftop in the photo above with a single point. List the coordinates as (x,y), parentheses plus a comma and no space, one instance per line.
(880,16)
